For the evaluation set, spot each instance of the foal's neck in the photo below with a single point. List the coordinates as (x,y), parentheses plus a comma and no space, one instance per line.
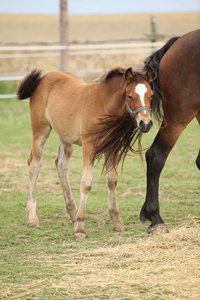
(114,91)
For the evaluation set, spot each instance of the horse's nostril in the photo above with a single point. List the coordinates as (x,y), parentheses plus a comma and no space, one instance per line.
(145,126)
(142,124)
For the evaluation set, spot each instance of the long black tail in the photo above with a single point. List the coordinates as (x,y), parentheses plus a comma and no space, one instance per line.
(151,65)
(28,85)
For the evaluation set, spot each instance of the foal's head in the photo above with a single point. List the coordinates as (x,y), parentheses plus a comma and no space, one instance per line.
(117,133)
(138,99)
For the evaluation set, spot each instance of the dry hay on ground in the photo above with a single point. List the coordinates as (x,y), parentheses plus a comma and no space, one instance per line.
(164,266)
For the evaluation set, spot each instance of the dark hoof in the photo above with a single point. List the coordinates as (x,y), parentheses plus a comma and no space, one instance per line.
(156,229)
(143,218)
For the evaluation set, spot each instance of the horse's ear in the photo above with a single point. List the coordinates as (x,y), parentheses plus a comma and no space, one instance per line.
(149,75)
(129,74)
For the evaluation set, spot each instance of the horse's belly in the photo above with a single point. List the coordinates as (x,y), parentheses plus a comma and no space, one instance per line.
(65,124)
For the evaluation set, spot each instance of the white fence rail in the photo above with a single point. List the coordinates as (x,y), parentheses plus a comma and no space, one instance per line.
(74,50)
(78,47)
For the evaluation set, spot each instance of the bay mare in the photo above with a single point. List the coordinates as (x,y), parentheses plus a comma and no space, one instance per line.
(105,117)
(175,83)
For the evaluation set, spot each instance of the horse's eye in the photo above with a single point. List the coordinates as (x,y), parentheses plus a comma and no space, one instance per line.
(129,97)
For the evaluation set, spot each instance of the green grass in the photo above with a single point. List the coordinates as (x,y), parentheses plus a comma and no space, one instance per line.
(23,248)
(47,262)
(8,87)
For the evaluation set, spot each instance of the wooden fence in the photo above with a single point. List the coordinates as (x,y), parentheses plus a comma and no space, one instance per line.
(126,45)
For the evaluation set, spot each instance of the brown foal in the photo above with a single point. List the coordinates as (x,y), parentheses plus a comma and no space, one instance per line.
(72,107)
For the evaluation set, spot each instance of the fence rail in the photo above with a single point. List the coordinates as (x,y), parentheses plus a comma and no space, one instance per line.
(145,37)
(74,50)
(125,45)
(78,47)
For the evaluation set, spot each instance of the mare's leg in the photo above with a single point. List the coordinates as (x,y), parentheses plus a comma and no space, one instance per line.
(34,163)
(85,188)
(156,157)
(198,157)
(112,201)
(198,160)
(62,164)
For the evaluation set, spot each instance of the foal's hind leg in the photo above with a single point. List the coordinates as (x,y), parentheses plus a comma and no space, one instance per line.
(62,164)
(113,208)
(34,163)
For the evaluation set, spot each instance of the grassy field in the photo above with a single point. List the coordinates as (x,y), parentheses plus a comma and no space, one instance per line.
(48,263)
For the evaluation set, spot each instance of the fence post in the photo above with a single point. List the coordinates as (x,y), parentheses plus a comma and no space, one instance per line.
(64,58)
(153,31)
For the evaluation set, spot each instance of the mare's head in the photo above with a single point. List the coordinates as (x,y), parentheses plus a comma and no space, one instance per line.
(138,99)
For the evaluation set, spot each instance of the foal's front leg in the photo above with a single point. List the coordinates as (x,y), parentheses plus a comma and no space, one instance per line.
(112,201)
(85,188)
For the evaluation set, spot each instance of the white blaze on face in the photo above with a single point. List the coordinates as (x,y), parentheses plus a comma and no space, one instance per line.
(141,89)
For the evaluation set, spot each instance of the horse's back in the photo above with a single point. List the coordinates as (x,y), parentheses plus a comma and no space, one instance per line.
(179,73)
(183,55)
(55,83)
(56,80)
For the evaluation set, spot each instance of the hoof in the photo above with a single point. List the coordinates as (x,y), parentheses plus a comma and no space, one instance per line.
(156,229)
(143,216)
(80,236)
(119,227)
(34,223)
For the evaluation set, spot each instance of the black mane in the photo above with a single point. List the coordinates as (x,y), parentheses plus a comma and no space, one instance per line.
(151,65)
(115,137)
(117,72)
(120,72)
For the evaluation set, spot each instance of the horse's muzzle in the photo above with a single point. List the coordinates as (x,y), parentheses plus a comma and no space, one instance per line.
(145,126)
